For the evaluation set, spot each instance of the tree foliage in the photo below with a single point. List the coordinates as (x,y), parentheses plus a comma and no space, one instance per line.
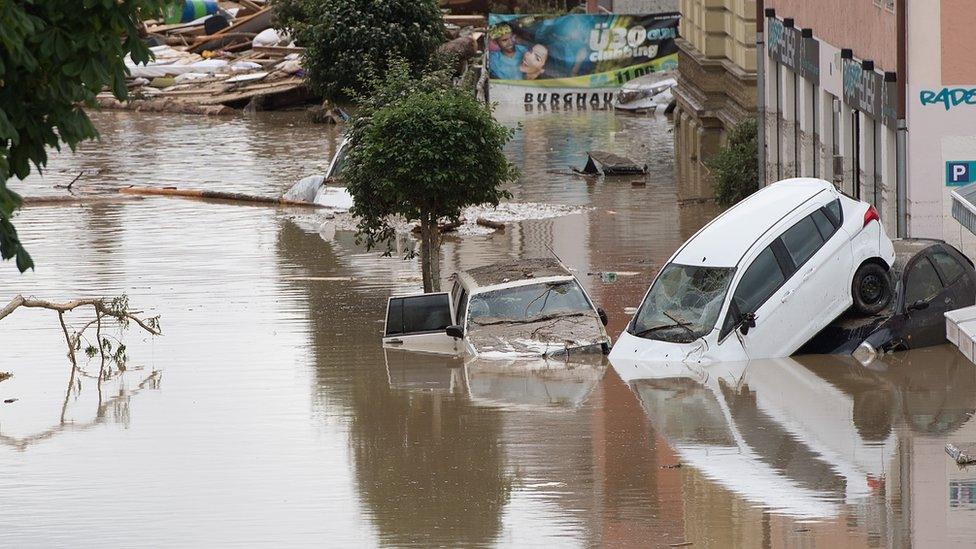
(342,36)
(55,56)
(735,168)
(422,150)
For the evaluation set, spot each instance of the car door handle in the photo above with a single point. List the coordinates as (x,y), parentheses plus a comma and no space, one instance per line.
(395,342)
(809,273)
(786,296)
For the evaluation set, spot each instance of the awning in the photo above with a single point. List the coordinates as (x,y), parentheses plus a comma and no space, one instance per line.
(964,206)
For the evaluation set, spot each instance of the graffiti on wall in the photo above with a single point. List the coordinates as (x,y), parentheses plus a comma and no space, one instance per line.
(948,97)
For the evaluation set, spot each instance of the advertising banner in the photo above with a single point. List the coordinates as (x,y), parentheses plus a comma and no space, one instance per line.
(575,59)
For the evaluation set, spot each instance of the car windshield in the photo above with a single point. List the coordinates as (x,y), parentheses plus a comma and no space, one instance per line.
(683,303)
(340,161)
(529,303)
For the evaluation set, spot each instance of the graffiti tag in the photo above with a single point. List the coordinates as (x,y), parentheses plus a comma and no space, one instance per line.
(948,98)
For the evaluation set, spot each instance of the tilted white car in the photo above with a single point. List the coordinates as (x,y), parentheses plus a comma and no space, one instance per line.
(529,307)
(763,278)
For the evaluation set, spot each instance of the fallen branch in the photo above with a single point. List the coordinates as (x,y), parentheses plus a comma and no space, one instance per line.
(215,195)
(68,186)
(116,309)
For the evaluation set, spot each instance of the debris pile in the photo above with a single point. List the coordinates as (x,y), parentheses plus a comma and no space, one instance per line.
(214,58)
(218,57)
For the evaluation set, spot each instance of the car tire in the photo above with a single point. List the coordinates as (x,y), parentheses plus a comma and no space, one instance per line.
(871,289)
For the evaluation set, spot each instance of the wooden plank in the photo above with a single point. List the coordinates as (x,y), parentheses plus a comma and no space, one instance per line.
(250,24)
(277,50)
(466,20)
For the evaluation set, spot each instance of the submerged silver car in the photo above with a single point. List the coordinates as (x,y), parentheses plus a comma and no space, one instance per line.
(519,308)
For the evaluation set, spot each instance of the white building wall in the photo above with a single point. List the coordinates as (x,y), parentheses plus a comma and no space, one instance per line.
(935,134)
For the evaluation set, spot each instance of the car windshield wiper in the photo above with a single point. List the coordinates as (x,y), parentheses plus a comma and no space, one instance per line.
(488,321)
(643,333)
(679,322)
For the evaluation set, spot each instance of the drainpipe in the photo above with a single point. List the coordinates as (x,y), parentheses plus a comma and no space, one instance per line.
(901,135)
(761,91)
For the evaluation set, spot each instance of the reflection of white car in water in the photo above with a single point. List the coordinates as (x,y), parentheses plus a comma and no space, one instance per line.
(531,307)
(538,383)
(764,277)
(771,431)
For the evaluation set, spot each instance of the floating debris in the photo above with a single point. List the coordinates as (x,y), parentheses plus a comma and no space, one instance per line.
(607,163)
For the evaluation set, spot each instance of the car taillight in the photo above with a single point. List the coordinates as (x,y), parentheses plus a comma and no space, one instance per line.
(871,215)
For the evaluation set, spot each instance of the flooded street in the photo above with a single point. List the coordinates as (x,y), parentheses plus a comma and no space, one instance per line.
(269,414)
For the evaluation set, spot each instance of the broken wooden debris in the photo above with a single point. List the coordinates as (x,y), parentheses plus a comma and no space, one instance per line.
(607,163)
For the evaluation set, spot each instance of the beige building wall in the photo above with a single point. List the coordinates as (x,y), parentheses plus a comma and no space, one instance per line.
(716,83)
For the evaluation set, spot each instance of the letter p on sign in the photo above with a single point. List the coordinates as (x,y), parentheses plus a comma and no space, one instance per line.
(960,173)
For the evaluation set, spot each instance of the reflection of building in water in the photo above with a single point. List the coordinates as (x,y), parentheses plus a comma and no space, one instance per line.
(429,468)
(821,439)
(716,84)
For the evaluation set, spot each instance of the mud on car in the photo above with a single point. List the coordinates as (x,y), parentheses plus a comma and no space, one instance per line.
(530,307)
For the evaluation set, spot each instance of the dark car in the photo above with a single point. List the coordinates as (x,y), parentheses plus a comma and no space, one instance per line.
(930,278)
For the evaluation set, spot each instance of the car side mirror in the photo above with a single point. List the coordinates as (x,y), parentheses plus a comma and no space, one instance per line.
(603,315)
(456,331)
(748,322)
(918,305)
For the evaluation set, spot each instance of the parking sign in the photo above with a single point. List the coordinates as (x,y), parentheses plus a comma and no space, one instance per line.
(960,172)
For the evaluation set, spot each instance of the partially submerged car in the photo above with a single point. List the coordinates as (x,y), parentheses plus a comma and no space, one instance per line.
(929,278)
(764,277)
(651,92)
(323,189)
(529,307)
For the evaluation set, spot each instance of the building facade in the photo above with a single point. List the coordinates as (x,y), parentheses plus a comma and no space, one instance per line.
(831,96)
(716,83)
(878,96)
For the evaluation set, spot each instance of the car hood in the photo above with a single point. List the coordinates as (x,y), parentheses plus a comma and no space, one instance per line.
(539,338)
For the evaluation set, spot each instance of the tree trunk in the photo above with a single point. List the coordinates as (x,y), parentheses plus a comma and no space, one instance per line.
(425,253)
(435,254)
(430,253)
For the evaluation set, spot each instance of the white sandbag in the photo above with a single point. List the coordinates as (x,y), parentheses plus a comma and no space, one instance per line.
(269,37)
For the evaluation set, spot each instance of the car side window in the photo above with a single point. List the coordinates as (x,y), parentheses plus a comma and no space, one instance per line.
(835,213)
(949,267)
(418,314)
(826,228)
(763,277)
(803,240)
(922,282)
(760,280)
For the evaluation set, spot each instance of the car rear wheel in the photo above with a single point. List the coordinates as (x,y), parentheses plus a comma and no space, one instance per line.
(871,289)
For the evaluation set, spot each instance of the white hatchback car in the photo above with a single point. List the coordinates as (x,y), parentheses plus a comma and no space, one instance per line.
(763,278)
(521,308)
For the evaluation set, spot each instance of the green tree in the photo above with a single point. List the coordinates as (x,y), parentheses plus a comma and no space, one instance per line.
(422,150)
(342,36)
(55,56)
(735,168)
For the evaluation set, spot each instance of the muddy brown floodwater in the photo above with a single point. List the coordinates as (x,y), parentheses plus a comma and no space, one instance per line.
(269,414)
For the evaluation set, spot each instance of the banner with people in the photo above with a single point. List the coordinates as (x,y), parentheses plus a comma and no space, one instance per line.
(563,54)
